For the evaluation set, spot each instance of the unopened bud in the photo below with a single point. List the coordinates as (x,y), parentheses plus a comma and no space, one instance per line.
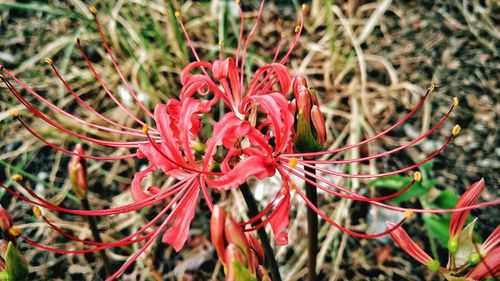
(304,104)
(262,273)
(299,83)
(235,260)
(319,124)
(5,219)
(77,170)
(255,245)
(217,222)
(235,235)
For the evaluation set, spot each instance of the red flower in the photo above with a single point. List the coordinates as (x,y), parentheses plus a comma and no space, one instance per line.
(258,136)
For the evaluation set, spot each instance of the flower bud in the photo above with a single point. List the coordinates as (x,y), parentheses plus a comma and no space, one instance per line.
(299,83)
(304,104)
(262,274)
(292,106)
(78,173)
(5,219)
(235,261)
(235,235)
(255,245)
(457,221)
(319,124)
(217,222)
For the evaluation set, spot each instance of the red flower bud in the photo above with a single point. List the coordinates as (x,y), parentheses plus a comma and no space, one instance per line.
(299,83)
(233,257)
(5,219)
(319,124)
(488,267)
(78,173)
(255,245)
(217,222)
(235,235)
(304,104)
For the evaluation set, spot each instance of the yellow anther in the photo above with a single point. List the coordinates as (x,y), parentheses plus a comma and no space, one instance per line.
(304,6)
(37,212)
(14,113)
(293,186)
(48,60)
(456,130)
(221,42)
(455,101)
(177,14)
(93,10)
(431,88)
(14,231)
(237,1)
(292,163)
(283,34)
(297,28)
(417,176)
(17,177)
(145,129)
(408,214)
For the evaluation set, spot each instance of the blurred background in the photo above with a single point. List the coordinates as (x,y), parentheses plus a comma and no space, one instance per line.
(370,63)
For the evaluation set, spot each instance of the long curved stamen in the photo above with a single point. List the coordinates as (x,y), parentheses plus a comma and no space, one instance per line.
(204,190)
(352,196)
(247,42)
(398,123)
(240,36)
(406,145)
(338,226)
(104,158)
(118,69)
(104,212)
(128,240)
(38,113)
(261,213)
(89,108)
(298,31)
(368,176)
(151,240)
(18,95)
(101,82)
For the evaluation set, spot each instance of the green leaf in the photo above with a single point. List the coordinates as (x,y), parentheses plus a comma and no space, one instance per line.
(438,227)
(16,265)
(446,199)
(396,182)
(242,273)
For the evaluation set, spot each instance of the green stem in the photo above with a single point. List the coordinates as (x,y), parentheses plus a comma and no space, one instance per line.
(312,226)
(97,236)
(252,212)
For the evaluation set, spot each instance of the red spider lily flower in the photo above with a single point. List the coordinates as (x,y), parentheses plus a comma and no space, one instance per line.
(457,221)
(411,248)
(254,138)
